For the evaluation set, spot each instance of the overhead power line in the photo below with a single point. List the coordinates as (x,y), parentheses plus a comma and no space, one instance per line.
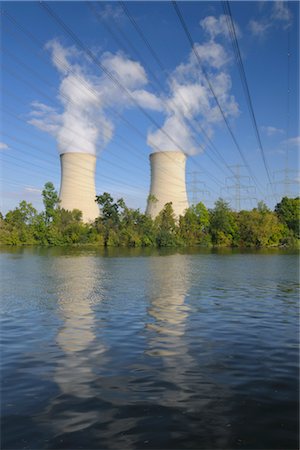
(112,77)
(202,68)
(129,124)
(239,61)
(190,121)
(33,86)
(145,40)
(109,74)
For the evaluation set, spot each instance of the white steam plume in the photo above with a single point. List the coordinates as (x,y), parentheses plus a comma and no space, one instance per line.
(190,97)
(84,125)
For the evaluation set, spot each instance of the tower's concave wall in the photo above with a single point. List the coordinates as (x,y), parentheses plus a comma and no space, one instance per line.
(167,183)
(77,188)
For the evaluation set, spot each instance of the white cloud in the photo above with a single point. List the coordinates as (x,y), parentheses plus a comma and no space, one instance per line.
(190,99)
(33,190)
(177,128)
(129,73)
(259,28)
(3,146)
(215,26)
(110,11)
(148,100)
(293,142)
(281,12)
(45,118)
(211,53)
(84,125)
(60,55)
(280,15)
(271,131)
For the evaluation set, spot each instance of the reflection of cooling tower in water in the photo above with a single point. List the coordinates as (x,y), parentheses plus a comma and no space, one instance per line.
(167,183)
(169,283)
(77,189)
(172,342)
(169,279)
(77,277)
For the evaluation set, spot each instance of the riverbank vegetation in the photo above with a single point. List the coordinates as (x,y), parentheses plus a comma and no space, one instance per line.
(121,226)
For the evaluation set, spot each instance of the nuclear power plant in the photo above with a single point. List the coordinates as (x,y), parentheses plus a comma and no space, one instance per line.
(167,183)
(77,187)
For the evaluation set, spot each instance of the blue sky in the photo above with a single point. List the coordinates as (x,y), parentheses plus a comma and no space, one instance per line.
(56,99)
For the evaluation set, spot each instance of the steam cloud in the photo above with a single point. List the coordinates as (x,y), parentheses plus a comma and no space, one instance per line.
(190,98)
(84,124)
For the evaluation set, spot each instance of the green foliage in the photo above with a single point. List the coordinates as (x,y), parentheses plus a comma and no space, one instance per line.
(288,212)
(259,228)
(119,225)
(223,225)
(194,225)
(166,227)
(109,222)
(152,199)
(50,200)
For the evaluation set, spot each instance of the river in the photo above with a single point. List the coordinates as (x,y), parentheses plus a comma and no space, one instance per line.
(147,349)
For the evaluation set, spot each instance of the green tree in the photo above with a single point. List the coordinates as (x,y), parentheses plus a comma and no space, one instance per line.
(166,228)
(223,226)
(259,228)
(194,225)
(109,220)
(19,224)
(288,212)
(50,200)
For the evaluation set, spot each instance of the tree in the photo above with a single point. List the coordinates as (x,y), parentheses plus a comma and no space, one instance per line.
(166,228)
(50,200)
(262,207)
(223,226)
(288,212)
(109,221)
(259,228)
(194,225)
(19,223)
(23,215)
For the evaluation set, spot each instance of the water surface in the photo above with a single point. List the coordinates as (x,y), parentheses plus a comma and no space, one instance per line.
(148,349)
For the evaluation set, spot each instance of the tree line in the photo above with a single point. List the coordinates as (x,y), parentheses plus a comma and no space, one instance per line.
(119,225)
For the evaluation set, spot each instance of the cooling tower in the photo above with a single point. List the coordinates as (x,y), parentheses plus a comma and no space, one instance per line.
(167,183)
(77,187)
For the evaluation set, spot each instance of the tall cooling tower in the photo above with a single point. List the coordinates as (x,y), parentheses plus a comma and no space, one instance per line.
(167,183)
(77,187)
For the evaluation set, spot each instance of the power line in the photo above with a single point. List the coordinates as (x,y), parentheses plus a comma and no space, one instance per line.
(196,190)
(39,149)
(71,130)
(33,38)
(111,76)
(239,61)
(190,121)
(189,37)
(69,70)
(120,42)
(288,114)
(238,187)
(145,40)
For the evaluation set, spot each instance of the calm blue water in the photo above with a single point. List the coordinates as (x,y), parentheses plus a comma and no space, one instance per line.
(142,350)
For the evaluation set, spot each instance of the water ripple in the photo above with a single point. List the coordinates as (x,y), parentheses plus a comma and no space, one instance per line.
(178,351)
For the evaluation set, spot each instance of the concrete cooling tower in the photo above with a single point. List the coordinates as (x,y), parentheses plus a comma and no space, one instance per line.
(167,183)
(77,188)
